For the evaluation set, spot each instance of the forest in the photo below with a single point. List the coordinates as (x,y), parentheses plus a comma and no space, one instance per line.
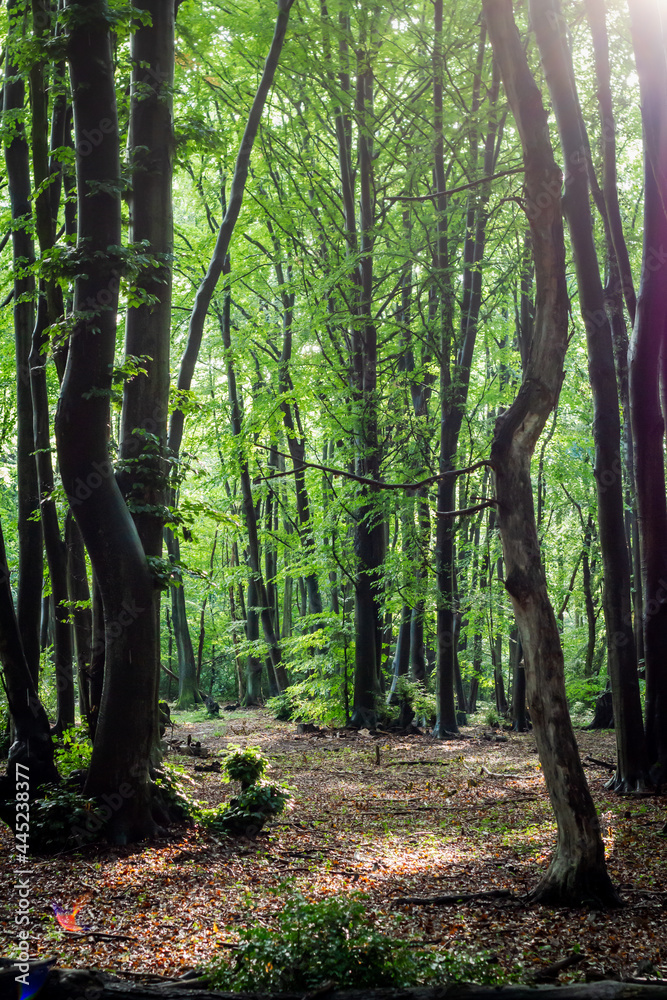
(334,382)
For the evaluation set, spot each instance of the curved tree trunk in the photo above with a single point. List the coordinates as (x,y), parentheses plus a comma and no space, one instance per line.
(577,872)
(121,750)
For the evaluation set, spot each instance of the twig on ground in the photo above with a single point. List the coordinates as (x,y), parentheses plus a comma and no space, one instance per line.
(461,897)
(600,763)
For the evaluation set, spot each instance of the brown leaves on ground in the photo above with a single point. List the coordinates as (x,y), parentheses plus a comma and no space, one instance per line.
(429,819)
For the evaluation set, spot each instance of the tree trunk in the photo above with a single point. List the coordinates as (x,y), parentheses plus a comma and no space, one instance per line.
(122,747)
(79,594)
(648,373)
(188,694)
(29,596)
(577,872)
(369,528)
(142,472)
(216,266)
(631,772)
(454,383)
(32,746)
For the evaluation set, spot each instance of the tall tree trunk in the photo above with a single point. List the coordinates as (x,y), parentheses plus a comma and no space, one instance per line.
(142,471)
(631,771)
(454,382)
(121,750)
(29,597)
(648,371)
(32,746)
(82,616)
(577,872)
(369,528)
(248,504)
(188,694)
(49,311)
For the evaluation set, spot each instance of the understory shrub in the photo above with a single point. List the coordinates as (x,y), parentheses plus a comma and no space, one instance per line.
(73,757)
(315,943)
(334,940)
(246,765)
(258,801)
(61,817)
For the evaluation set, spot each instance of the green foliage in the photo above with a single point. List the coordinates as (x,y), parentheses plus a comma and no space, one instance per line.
(75,753)
(248,812)
(318,698)
(59,818)
(419,696)
(491,718)
(170,786)
(259,800)
(5,730)
(334,940)
(246,765)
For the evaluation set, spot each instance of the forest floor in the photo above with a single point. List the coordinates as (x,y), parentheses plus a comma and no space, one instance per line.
(465,816)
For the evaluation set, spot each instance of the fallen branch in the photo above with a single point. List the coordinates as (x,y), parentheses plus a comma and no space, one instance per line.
(461,897)
(600,763)
(407,763)
(552,971)
(99,935)
(500,777)
(76,984)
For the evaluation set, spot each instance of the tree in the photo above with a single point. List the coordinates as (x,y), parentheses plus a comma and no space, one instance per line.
(577,871)
(621,652)
(648,375)
(122,749)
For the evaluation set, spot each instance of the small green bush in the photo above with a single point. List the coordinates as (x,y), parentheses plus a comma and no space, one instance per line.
(245,765)
(258,801)
(336,940)
(314,943)
(60,818)
(492,718)
(248,812)
(75,753)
